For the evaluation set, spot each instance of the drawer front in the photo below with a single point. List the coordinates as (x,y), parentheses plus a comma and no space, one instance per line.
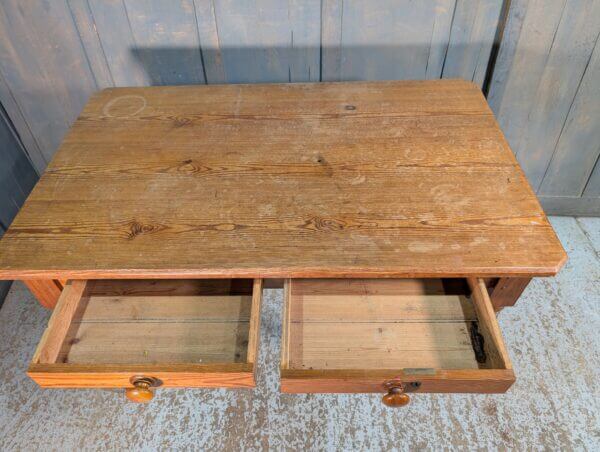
(345,336)
(167,333)
(484,381)
(237,375)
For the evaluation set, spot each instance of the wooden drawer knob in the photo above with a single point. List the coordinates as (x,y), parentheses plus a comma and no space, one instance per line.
(142,391)
(395,397)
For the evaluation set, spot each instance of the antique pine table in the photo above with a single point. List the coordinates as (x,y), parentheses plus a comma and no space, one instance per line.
(394,213)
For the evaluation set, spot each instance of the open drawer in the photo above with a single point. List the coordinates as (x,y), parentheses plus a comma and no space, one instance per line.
(394,336)
(140,334)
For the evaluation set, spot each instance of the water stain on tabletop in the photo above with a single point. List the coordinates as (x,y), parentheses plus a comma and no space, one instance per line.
(124,106)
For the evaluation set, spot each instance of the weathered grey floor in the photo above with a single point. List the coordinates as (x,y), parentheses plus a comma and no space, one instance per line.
(553,337)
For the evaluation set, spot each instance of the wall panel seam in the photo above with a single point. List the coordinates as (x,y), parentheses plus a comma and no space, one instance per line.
(449,38)
(200,50)
(587,64)
(26,122)
(84,50)
(589,179)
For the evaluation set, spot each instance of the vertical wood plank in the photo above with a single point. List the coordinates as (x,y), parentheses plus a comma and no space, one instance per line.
(440,37)
(386,39)
(254,328)
(46,291)
(305,26)
(17,176)
(592,189)
(507,291)
(253,42)
(166,39)
(257,40)
(82,15)
(285,325)
(487,322)
(506,54)
(563,71)
(13,111)
(486,29)
(11,195)
(526,68)
(578,147)
(4,285)
(331,40)
(114,32)
(458,62)
(61,54)
(471,39)
(206,20)
(60,321)
(44,66)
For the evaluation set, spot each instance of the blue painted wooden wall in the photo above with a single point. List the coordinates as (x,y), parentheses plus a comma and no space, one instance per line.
(17,175)
(55,53)
(17,178)
(546,95)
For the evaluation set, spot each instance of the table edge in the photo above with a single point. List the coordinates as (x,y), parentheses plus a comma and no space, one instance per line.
(266,273)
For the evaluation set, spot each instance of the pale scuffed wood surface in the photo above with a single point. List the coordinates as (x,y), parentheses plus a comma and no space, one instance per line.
(381,345)
(186,333)
(54,336)
(358,327)
(156,342)
(488,326)
(254,321)
(138,326)
(347,180)
(550,334)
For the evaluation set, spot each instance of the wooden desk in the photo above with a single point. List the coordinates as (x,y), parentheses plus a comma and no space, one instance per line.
(402,180)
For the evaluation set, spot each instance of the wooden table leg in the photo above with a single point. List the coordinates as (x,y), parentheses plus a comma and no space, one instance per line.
(507,291)
(46,291)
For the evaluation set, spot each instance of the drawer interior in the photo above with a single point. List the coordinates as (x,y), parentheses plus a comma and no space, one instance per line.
(407,326)
(144,322)
(140,324)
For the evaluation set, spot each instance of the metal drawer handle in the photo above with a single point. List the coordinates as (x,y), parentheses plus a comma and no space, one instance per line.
(142,388)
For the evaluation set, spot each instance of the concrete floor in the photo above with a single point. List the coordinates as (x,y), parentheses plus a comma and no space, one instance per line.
(552,335)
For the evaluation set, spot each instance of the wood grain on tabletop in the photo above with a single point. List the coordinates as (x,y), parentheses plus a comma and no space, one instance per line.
(291,180)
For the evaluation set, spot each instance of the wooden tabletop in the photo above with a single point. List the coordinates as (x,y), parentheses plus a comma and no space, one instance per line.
(290,180)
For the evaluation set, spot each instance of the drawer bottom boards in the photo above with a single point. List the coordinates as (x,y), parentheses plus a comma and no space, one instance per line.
(178,333)
(339,335)
(360,335)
